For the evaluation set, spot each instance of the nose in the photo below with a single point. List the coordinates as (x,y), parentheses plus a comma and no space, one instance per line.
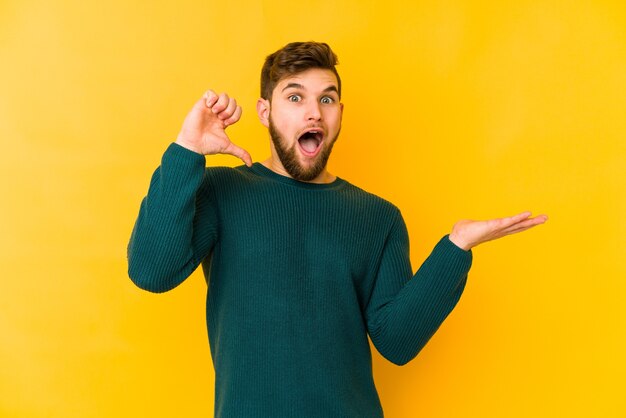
(313,112)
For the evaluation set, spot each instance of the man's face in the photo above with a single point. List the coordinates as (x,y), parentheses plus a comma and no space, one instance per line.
(304,122)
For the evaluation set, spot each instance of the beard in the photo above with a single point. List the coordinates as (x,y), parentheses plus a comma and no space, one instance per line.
(289,156)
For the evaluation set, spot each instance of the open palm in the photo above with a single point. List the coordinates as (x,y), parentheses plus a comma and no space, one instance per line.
(468,233)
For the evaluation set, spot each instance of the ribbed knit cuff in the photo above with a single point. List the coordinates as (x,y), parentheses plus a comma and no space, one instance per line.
(178,152)
(181,170)
(457,258)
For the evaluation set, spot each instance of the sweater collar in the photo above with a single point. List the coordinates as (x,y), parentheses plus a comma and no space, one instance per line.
(263,171)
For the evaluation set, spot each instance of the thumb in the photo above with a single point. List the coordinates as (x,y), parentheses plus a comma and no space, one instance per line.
(238,152)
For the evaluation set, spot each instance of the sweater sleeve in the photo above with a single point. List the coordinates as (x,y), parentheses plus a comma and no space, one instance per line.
(177,223)
(405,310)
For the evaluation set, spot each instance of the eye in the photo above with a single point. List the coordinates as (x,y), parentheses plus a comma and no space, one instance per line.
(294,98)
(327,100)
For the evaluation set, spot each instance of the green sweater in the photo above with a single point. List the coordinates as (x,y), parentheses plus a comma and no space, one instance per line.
(298,275)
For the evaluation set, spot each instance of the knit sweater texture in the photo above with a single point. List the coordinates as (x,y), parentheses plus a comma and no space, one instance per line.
(298,275)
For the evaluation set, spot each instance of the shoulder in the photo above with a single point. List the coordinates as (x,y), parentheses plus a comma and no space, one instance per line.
(221,174)
(235,182)
(371,201)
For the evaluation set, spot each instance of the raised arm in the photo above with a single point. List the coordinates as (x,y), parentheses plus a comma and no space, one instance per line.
(178,222)
(405,310)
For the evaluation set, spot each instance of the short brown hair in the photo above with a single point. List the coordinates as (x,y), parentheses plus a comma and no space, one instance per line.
(295,58)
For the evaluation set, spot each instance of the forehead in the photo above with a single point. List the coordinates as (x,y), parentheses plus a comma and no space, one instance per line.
(312,79)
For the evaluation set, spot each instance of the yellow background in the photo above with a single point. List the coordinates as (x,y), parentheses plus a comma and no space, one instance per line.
(453,109)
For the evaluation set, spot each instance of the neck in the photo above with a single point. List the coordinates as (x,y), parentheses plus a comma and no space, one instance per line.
(274,164)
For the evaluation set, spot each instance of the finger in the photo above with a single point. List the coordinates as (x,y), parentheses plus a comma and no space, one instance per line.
(210,97)
(518,217)
(234,118)
(221,103)
(239,152)
(517,230)
(503,223)
(230,108)
(529,223)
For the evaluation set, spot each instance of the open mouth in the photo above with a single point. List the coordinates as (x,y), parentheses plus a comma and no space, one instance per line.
(310,142)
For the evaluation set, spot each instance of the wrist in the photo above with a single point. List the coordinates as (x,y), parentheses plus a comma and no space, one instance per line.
(459,242)
(190,147)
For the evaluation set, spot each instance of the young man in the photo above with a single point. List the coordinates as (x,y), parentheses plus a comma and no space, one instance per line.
(301,265)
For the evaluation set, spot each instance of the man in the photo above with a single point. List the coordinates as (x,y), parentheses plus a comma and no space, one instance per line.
(301,265)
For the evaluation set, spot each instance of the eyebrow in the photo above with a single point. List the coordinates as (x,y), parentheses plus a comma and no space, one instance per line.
(300,86)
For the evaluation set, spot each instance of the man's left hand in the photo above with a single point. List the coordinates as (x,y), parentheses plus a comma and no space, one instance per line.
(467,233)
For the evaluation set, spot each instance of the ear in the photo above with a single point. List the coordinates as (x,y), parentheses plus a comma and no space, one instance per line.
(263,111)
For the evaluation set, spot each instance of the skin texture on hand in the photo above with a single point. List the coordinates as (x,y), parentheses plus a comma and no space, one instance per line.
(467,233)
(203,130)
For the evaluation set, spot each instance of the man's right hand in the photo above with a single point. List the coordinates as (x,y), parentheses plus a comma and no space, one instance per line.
(203,130)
